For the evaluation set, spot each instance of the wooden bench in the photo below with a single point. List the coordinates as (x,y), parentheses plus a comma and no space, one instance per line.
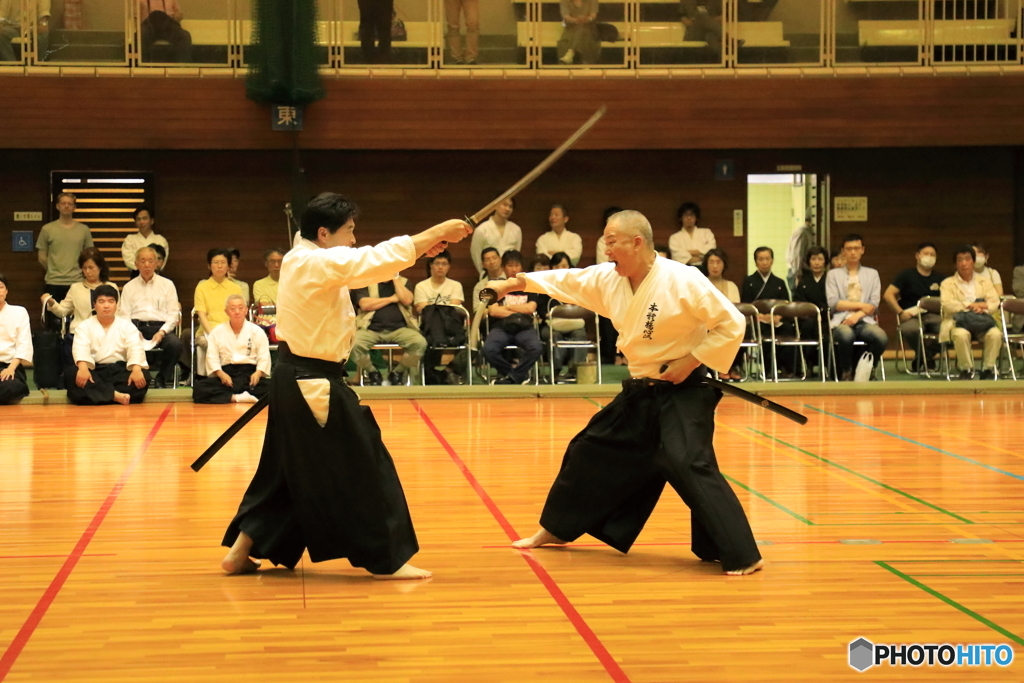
(912,32)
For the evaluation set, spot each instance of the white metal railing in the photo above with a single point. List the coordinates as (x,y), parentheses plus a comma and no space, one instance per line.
(755,34)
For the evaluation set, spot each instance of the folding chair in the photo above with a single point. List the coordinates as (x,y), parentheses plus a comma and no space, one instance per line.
(593,340)
(856,343)
(933,304)
(1011,339)
(798,310)
(751,343)
(466,319)
(764,307)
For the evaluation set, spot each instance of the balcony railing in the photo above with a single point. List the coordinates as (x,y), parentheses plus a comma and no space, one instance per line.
(526,37)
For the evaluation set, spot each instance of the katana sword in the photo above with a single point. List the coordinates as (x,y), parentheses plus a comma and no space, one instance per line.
(481,215)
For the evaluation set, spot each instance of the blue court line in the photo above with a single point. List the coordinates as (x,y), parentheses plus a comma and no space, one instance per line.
(918,443)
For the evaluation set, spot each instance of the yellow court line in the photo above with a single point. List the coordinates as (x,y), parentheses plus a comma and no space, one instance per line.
(774,447)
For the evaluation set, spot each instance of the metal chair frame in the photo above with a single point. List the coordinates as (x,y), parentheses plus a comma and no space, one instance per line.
(485,367)
(466,321)
(753,346)
(577,313)
(798,310)
(1010,339)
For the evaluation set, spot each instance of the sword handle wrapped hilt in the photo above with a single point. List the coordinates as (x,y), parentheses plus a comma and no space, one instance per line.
(487,296)
(472,223)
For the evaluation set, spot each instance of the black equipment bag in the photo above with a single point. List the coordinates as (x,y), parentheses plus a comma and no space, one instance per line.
(443,326)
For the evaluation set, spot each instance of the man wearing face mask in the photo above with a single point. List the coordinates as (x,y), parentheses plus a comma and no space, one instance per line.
(909,287)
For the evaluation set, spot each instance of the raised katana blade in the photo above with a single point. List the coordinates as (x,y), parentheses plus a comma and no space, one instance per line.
(483,213)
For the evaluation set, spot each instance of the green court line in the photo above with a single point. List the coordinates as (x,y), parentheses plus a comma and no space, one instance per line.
(952,603)
(769,500)
(864,477)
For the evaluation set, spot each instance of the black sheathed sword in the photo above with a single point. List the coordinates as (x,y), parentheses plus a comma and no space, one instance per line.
(246,417)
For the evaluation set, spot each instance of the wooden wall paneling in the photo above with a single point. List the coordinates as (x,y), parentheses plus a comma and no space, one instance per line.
(398,113)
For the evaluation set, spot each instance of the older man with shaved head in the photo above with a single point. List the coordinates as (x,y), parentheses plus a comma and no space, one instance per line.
(673,324)
(237,359)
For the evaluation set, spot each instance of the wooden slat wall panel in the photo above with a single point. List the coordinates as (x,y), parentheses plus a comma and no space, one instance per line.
(220,198)
(429,113)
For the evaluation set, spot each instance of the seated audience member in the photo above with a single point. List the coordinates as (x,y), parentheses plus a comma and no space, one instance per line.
(909,287)
(108,352)
(78,300)
(498,232)
(559,238)
(150,301)
(237,360)
(690,243)
(715,264)
(439,290)
(579,33)
(236,260)
(264,291)
(562,330)
(15,348)
(981,268)
(837,258)
(1018,291)
(810,288)
(10,27)
(968,305)
(702,21)
(802,239)
(161,20)
(854,292)
(145,219)
(663,251)
(386,317)
(212,295)
(539,263)
(763,284)
(511,321)
(491,259)
(161,256)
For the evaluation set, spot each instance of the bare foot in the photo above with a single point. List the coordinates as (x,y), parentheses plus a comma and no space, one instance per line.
(237,560)
(404,573)
(542,537)
(122,398)
(747,570)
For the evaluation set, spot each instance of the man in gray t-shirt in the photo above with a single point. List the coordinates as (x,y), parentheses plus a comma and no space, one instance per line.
(60,244)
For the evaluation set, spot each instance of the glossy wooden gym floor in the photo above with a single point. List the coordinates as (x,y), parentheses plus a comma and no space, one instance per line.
(899,519)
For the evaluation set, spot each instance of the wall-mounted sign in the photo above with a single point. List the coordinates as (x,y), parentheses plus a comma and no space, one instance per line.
(725,169)
(21,240)
(849,209)
(285,117)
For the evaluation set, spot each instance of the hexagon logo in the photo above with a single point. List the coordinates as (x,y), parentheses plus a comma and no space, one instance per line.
(862,654)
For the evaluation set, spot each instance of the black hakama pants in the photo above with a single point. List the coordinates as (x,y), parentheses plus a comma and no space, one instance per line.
(614,471)
(14,389)
(212,390)
(106,379)
(332,490)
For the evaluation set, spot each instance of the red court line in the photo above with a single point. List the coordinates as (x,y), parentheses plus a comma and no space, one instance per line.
(37,614)
(33,557)
(589,637)
(602,545)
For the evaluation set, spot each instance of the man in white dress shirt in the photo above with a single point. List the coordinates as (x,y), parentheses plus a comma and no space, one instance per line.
(111,365)
(691,242)
(150,301)
(325,482)
(559,238)
(237,360)
(498,232)
(15,348)
(673,324)
(145,219)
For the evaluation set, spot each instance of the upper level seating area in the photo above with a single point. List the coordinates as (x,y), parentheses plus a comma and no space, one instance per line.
(524,34)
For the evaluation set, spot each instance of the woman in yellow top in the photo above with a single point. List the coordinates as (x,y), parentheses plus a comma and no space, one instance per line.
(212,295)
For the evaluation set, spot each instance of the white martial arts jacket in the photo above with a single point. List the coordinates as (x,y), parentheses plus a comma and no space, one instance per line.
(676,311)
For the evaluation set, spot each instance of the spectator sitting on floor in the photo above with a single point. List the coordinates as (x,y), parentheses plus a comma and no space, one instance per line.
(237,360)
(854,292)
(511,321)
(965,292)
(108,352)
(15,349)
(78,300)
(150,301)
(909,287)
(559,238)
(145,219)
(386,317)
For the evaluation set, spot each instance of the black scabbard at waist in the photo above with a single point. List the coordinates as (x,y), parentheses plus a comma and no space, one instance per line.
(309,368)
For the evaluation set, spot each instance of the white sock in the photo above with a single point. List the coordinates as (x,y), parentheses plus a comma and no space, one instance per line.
(244,397)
